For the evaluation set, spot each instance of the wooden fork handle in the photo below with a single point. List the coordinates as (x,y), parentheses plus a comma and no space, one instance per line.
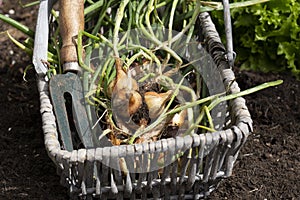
(71,21)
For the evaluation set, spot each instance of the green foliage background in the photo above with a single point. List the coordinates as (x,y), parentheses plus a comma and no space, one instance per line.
(266,36)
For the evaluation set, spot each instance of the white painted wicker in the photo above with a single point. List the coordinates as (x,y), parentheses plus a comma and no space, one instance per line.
(85,173)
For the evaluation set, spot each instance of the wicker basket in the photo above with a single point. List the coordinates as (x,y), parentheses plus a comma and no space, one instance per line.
(87,175)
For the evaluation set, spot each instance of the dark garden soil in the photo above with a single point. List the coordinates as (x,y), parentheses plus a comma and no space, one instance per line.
(268,166)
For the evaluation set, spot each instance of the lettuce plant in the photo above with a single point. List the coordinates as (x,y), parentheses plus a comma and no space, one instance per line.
(267,36)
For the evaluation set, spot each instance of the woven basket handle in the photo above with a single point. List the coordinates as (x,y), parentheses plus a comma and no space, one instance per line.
(228,32)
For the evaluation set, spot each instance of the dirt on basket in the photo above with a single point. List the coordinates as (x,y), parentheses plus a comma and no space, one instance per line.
(268,166)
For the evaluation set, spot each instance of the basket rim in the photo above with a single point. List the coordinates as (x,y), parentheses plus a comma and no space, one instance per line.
(239,131)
